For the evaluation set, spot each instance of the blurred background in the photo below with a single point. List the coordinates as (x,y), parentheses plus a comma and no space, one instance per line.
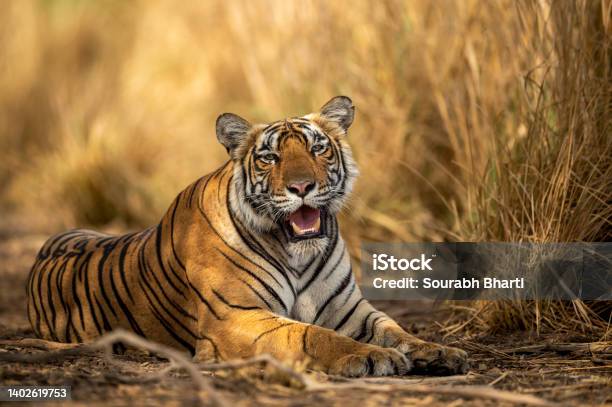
(475,120)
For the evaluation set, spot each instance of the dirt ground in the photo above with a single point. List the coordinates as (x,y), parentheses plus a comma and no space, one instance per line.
(506,369)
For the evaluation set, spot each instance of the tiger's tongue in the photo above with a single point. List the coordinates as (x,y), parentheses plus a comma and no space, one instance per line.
(305,220)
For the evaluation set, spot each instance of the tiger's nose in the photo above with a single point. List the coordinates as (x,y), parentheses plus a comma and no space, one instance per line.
(300,188)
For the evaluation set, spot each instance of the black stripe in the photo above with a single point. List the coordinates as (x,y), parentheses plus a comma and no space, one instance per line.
(122,255)
(161,264)
(348,315)
(60,240)
(106,252)
(88,294)
(205,301)
(265,255)
(159,302)
(41,274)
(172,245)
(167,327)
(171,330)
(55,241)
(364,326)
(261,297)
(75,295)
(194,186)
(373,328)
(268,318)
(149,271)
(223,300)
(126,311)
(272,330)
(353,285)
(333,268)
(262,282)
(59,284)
(107,326)
(50,299)
(101,241)
(343,284)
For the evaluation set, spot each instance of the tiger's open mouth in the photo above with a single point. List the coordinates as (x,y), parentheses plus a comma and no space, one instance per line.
(305,223)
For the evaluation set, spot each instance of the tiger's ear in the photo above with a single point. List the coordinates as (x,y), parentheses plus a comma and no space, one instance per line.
(231,130)
(339,110)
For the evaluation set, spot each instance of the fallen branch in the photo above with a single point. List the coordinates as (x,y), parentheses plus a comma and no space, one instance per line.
(499,379)
(592,347)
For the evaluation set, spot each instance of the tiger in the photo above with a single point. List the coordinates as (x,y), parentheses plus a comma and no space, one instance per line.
(247,260)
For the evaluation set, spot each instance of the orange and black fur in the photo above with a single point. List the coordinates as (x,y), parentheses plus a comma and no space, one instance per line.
(247,260)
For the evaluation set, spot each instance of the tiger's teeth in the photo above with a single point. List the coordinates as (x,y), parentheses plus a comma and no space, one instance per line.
(317,225)
(299,231)
(296,228)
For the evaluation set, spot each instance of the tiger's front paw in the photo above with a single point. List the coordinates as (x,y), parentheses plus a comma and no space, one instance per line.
(373,361)
(434,359)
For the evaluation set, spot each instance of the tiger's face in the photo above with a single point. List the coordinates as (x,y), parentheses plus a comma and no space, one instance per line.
(292,174)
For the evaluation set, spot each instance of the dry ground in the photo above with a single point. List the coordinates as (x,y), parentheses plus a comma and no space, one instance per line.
(502,366)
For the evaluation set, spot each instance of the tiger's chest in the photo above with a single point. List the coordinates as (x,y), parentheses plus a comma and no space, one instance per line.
(324,289)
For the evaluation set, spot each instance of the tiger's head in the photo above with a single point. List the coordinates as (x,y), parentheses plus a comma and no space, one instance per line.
(292,174)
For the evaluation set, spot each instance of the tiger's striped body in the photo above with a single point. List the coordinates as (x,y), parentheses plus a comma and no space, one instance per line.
(219,279)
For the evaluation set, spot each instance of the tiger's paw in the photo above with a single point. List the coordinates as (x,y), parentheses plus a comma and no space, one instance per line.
(434,359)
(373,362)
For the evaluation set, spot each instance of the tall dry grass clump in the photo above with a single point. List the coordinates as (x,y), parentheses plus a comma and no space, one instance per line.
(554,184)
(475,120)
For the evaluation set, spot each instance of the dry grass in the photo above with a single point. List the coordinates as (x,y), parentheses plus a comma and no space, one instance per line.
(476,120)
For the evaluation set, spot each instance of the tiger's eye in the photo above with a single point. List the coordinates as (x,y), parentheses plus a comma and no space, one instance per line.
(269,158)
(318,148)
